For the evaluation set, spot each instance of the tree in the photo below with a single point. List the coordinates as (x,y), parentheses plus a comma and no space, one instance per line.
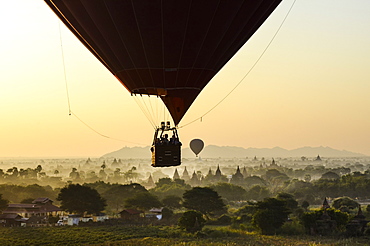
(231,192)
(131,175)
(203,199)
(291,203)
(116,195)
(305,205)
(81,199)
(270,215)
(330,175)
(309,220)
(165,187)
(192,221)
(13,172)
(273,173)
(166,213)
(143,201)
(257,192)
(38,168)
(345,202)
(53,219)
(163,181)
(27,200)
(172,201)
(74,174)
(307,178)
(3,203)
(254,180)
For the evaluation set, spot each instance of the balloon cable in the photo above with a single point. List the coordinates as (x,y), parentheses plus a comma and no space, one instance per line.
(68,100)
(64,69)
(249,71)
(145,110)
(105,136)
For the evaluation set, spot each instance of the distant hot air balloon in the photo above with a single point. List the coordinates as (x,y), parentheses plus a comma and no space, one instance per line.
(167,48)
(196,145)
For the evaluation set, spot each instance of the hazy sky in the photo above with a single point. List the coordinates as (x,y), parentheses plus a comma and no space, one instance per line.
(311,88)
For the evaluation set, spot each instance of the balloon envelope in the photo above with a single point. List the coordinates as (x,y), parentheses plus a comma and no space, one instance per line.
(168,48)
(196,145)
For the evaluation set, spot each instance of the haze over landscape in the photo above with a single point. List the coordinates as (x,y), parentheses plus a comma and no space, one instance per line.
(213,151)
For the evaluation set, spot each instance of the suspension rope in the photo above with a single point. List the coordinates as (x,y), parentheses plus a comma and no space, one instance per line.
(151,108)
(249,71)
(70,113)
(64,69)
(145,112)
(151,116)
(105,136)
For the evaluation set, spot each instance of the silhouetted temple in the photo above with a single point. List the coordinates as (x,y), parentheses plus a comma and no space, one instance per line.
(176,175)
(218,172)
(357,226)
(245,173)
(273,163)
(194,181)
(237,178)
(210,172)
(325,204)
(150,183)
(185,175)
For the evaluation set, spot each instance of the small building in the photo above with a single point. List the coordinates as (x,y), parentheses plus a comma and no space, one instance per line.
(157,212)
(11,219)
(87,219)
(73,219)
(39,207)
(100,217)
(131,214)
(37,221)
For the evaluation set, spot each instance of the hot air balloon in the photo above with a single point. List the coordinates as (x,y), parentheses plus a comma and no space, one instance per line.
(167,48)
(196,145)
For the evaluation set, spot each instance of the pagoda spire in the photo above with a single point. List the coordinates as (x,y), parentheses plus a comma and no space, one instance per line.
(325,204)
(218,171)
(185,175)
(176,175)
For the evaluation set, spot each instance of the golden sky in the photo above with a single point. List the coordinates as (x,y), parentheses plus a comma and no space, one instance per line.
(311,87)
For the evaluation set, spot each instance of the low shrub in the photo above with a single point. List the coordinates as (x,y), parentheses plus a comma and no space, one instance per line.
(292,228)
